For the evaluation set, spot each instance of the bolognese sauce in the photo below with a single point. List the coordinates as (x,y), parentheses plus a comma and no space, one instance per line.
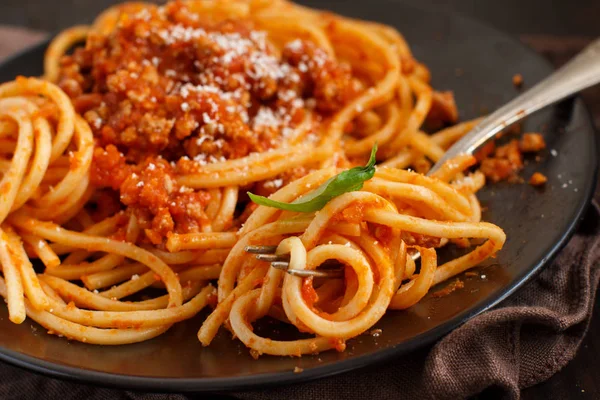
(505,162)
(167,92)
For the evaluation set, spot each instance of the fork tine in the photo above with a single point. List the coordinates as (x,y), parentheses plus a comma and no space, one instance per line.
(273,257)
(283,265)
(331,268)
(260,249)
(305,273)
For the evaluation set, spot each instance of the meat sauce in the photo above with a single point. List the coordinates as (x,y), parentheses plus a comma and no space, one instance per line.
(166,92)
(309,295)
(443,110)
(505,162)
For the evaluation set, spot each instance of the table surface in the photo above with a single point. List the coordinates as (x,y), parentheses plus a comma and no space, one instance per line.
(557,29)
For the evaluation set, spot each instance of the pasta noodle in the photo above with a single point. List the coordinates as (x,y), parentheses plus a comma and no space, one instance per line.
(124,173)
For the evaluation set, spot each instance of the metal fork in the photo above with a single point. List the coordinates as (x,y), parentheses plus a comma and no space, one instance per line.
(580,73)
(329,269)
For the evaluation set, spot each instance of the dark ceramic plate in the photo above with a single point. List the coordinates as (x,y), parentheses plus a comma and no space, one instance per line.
(478,63)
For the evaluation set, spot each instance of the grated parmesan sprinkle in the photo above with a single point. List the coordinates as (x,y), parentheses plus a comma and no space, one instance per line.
(266,118)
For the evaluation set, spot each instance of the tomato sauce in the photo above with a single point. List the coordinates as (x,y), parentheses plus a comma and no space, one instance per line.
(309,295)
(171,89)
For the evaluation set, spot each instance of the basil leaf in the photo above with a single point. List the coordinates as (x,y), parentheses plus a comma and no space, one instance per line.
(346,181)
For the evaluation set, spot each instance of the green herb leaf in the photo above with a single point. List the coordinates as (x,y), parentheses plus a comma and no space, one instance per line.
(347,181)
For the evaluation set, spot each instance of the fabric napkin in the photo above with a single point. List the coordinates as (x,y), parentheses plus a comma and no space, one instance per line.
(521,342)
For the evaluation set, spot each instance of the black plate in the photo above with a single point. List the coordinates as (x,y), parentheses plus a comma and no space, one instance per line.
(478,63)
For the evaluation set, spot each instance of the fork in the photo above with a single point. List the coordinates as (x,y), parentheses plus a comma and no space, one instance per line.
(581,72)
(329,269)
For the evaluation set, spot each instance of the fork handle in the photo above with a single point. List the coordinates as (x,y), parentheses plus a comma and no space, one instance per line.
(581,72)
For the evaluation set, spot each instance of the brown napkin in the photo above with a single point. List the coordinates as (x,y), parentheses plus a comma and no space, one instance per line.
(519,343)
(14,39)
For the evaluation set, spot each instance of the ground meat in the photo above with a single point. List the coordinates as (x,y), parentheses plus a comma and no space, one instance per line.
(451,287)
(416,239)
(517,80)
(162,206)
(505,164)
(485,151)
(510,151)
(532,142)
(169,90)
(149,190)
(497,169)
(328,82)
(166,83)
(109,168)
(443,109)
(537,179)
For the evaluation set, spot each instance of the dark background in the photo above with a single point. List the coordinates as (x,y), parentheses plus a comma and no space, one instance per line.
(556,28)
(559,17)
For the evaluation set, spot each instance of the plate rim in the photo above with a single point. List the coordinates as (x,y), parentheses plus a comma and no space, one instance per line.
(380,355)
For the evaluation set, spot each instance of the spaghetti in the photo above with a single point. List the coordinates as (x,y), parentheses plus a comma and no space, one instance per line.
(125,171)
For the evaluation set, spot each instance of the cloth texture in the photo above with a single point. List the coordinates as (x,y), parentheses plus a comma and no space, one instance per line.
(521,342)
